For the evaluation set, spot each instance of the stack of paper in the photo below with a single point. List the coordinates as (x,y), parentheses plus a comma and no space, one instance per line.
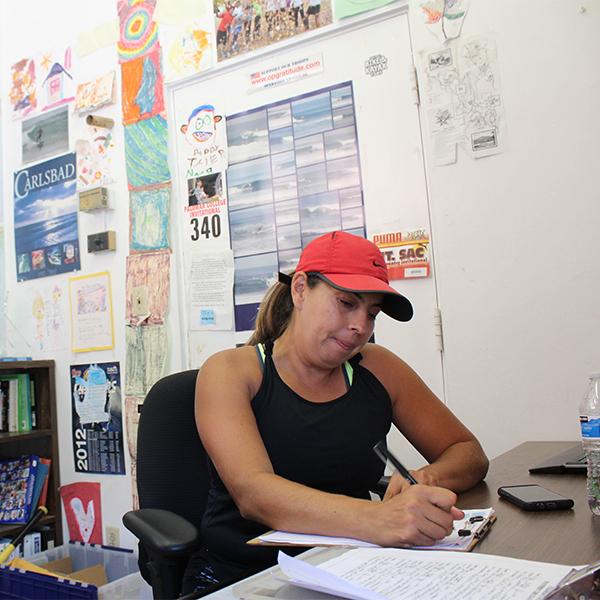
(395,574)
(475,522)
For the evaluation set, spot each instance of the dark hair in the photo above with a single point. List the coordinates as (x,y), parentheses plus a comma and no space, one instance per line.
(275,312)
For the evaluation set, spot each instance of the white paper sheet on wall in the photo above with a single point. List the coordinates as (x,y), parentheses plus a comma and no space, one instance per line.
(462,99)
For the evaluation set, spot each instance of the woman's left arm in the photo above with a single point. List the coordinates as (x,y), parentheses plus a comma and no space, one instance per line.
(456,459)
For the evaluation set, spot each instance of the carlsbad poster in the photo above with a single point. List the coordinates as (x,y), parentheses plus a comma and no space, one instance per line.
(46,233)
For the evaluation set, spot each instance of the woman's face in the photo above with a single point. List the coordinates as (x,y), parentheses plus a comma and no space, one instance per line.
(335,325)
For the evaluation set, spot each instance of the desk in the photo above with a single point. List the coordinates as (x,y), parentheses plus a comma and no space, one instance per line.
(564,537)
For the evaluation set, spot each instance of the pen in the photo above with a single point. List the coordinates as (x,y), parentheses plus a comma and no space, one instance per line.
(384,454)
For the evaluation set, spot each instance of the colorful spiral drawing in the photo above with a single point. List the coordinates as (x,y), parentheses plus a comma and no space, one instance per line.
(138,32)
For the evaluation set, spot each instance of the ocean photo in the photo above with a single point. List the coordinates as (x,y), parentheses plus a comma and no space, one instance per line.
(254,275)
(287,213)
(340,143)
(350,198)
(312,180)
(46,233)
(288,259)
(342,117)
(280,115)
(249,183)
(283,164)
(353,218)
(247,136)
(285,188)
(253,230)
(46,135)
(310,150)
(319,214)
(343,173)
(288,236)
(281,140)
(312,114)
(342,96)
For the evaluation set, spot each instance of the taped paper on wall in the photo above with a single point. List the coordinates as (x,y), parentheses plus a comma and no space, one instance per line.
(151,270)
(462,99)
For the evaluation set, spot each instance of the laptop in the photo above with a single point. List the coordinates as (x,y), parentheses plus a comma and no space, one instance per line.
(569,461)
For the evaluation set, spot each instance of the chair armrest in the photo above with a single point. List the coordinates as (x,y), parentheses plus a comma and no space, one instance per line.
(380,487)
(162,531)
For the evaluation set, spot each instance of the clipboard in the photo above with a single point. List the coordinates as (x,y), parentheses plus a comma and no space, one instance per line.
(455,542)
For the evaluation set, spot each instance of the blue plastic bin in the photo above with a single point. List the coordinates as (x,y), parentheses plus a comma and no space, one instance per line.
(124,579)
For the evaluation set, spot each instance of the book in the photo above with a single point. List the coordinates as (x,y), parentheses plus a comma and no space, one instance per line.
(17,484)
(40,481)
(3,405)
(44,493)
(465,534)
(19,414)
(398,574)
(32,404)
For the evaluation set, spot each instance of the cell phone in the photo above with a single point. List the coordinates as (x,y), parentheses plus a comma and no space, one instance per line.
(534,497)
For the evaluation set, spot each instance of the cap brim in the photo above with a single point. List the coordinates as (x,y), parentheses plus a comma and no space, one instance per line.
(395,305)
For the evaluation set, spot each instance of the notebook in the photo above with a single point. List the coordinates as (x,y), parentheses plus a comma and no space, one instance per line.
(569,461)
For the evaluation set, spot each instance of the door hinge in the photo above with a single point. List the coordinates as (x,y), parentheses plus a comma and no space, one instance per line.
(414,84)
(437,329)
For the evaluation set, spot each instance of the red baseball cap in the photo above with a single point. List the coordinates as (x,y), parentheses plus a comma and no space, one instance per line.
(353,264)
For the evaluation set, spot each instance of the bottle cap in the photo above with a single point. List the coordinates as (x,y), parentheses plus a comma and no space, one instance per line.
(595,375)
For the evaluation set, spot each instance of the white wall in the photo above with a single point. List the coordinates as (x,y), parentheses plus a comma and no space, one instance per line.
(516,235)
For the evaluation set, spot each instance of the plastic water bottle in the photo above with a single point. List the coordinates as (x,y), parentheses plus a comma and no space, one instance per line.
(589,419)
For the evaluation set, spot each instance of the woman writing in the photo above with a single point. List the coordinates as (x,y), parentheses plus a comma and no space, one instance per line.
(289,421)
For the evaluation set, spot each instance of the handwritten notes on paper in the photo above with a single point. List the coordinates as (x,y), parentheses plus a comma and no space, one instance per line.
(394,574)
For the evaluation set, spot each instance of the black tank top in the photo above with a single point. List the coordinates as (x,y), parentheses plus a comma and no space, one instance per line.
(324,445)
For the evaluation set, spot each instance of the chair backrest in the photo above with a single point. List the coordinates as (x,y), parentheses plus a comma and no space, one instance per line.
(172,471)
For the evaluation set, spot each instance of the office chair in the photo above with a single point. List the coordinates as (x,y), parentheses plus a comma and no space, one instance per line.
(172,482)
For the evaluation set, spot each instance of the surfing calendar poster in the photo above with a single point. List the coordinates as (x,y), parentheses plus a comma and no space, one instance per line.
(46,235)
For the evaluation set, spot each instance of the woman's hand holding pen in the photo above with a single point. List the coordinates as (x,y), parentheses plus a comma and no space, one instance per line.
(417,515)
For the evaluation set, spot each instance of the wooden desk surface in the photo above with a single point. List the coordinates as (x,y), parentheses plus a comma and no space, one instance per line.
(561,536)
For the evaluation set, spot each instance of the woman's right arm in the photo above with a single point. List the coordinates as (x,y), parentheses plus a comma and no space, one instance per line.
(225,387)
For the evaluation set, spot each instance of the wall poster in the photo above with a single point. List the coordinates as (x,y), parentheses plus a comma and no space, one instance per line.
(294,173)
(97,418)
(46,232)
(91,312)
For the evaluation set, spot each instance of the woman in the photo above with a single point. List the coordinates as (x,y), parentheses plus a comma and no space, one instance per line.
(290,428)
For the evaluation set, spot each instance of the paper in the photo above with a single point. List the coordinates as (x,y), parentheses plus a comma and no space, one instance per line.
(462,99)
(97,422)
(91,312)
(46,230)
(95,150)
(451,542)
(95,93)
(149,218)
(45,135)
(394,574)
(179,12)
(142,88)
(149,270)
(138,33)
(211,291)
(146,156)
(406,253)
(293,174)
(146,358)
(105,34)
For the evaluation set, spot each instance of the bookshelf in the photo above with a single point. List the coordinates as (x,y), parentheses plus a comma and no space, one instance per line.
(42,441)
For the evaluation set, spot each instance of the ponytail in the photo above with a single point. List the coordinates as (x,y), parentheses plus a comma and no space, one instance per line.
(275,312)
